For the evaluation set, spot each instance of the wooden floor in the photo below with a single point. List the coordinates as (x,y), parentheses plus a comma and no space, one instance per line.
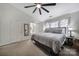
(27,48)
(24,48)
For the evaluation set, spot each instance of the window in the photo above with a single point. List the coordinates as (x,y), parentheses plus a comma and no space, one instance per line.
(64,23)
(54,24)
(59,23)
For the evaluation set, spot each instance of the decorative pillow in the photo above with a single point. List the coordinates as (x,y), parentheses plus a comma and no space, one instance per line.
(54,30)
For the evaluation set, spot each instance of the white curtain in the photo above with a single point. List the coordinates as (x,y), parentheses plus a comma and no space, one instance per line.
(32,28)
(45,26)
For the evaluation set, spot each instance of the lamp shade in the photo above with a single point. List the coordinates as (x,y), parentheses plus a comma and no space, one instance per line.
(70,28)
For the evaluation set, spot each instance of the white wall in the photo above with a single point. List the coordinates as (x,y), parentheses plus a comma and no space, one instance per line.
(75,24)
(12,24)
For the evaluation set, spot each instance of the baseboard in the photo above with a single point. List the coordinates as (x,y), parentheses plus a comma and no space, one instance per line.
(12,42)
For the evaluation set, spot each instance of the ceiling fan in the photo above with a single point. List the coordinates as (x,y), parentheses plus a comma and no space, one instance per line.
(40,6)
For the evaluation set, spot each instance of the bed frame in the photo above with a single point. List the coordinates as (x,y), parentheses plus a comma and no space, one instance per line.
(46,48)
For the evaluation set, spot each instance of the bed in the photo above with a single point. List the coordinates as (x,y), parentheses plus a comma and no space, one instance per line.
(53,38)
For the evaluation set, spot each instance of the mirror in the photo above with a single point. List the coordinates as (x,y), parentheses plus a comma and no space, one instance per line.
(26,29)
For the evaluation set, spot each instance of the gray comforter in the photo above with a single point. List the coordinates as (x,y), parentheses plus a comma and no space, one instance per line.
(52,40)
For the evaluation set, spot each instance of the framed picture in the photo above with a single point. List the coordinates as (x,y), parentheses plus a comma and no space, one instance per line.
(26,29)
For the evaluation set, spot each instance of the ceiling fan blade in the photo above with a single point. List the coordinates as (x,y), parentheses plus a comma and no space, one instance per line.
(45,9)
(34,10)
(29,6)
(49,4)
(40,11)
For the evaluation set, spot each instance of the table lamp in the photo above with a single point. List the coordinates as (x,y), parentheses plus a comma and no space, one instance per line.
(70,29)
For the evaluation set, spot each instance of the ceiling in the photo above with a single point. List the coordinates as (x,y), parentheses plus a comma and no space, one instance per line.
(59,9)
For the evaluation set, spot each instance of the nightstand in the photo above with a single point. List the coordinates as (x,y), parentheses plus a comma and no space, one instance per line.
(76,43)
(69,40)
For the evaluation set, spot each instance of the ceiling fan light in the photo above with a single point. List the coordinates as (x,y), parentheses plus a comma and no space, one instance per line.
(38,6)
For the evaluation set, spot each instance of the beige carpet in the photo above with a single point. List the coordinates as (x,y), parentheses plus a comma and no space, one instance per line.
(24,48)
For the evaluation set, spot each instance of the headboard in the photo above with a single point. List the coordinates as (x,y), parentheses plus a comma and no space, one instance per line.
(60,30)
